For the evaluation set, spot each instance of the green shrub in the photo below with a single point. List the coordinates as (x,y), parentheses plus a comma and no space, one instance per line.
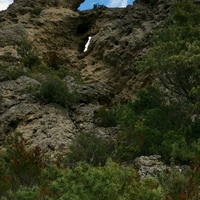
(194,134)
(147,98)
(5,179)
(175,148)
(62,72)
(28,54)
(12,73)
(148,123)
(24,164)
(107,117)
(150,189)
(108,182)
(53,89)
(181,185)
(90,148)
(24,193)
(175,55)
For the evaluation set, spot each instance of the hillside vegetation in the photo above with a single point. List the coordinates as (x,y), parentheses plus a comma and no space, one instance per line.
(164,119)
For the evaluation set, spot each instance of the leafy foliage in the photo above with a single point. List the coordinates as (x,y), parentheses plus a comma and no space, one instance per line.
(20,165)
(147,124)
(164,118)
(90,148)
(28,54)
(111,181)
(25,165)
(181,185)
(175,54)
(107,117)
(24,193)
(53,89)
(13,73)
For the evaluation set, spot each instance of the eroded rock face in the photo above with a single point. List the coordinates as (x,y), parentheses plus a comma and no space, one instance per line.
(72,4)
(50,126)
(120,36)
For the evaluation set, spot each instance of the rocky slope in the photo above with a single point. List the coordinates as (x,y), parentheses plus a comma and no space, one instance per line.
(59,32)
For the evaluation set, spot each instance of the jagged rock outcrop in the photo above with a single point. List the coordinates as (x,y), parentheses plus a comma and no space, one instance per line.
(152,166)
(120,36)
(149,166)
(50,126)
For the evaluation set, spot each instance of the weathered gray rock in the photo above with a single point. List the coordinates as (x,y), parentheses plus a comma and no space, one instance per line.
(152,166)
(50,126)
(149,166)
(120,36)
(91,92)
(59,32)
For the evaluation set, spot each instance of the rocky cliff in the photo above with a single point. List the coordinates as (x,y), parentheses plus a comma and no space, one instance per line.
(59,32)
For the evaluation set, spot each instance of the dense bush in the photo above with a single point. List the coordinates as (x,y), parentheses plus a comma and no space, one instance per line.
(107,117)
(26,174)
(165,119)
(90,148)
(181,185)
(53,89)
(5,178)
(151,126)
(111,181)
(12,73)
(24,193)
(175,55)
(25,165)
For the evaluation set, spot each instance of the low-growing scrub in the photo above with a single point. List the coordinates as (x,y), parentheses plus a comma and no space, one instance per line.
(53,89)
(90,148)
(26,174)
(108,117)
(25,164)
(12,73)
(28,54)
(181,185)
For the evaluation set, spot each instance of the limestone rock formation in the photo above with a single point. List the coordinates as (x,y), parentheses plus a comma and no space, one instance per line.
(59,32)
(48,125)
(149,166)
(119,37)
(27,4)
(152,166)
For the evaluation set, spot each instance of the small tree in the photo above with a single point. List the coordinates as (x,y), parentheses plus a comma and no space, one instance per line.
(90,148)
(23,163)
(175,55)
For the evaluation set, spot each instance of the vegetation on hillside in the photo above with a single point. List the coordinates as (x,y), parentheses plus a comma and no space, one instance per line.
(164,119)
